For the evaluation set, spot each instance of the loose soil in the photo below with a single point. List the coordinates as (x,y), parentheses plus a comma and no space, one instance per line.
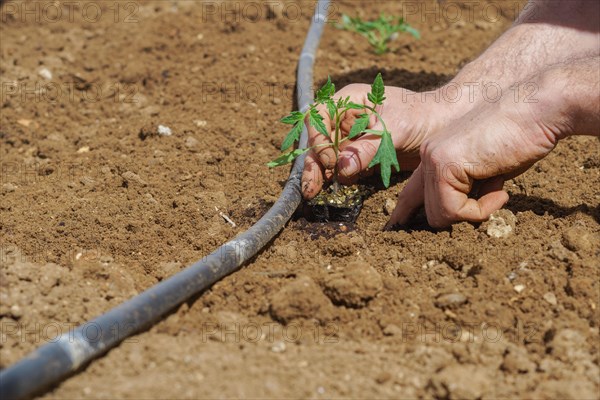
(96,207)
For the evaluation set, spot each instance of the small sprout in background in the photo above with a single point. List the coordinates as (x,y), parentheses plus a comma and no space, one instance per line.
(378,32)
(386,154)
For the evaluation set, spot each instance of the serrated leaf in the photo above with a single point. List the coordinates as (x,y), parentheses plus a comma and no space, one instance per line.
(360,124)
(286,158)
(355,106)
(374,131)
(293,135)
(377,91)
(326,91)
(386,157)
(316,121)
(292,118)
(331,108)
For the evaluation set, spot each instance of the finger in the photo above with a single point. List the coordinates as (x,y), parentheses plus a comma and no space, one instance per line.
(491,185)
(455,205)
(356,156)
(481,209)
(409,200)
(325,154)
(312,176)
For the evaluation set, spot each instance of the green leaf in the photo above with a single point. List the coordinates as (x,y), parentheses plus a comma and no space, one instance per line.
(326,91)
(292,118)
(411,30)
(360,124)
(386,157)
(377,91)
(374,131)
(331,108)
(316,121)
(355,106)
(293,135)
(378,32)
(286,158)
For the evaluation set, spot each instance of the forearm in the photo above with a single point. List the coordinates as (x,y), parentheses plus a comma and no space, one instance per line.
(569,97)
(546,32)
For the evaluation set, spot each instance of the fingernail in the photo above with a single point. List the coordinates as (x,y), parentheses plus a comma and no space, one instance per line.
(326,160)
(350,168)
(305,187)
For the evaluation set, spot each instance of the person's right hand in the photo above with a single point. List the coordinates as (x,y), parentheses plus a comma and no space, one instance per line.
(411,117)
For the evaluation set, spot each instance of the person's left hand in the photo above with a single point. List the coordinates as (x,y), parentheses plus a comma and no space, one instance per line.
(491,143)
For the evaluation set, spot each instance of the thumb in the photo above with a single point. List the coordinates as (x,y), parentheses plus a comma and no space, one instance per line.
(356,156)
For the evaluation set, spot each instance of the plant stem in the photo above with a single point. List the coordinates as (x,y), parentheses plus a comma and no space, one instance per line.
(378,117)
(336,149)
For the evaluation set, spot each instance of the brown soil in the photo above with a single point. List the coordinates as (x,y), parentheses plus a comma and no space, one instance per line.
(95,207)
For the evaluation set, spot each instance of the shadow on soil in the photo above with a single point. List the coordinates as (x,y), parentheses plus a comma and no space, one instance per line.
(415,81)
(540,206)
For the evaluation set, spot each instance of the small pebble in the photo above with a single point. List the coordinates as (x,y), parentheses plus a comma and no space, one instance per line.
(16,311)
(450,300)
(191,142)
(392,330)
(389,206)
(9,188)
(278,347)
(519,288)
(383,377)
(130,176)
(45,73)
(164,130)
(83,149)
(550,298)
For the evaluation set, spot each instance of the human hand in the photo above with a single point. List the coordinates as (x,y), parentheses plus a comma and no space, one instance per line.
(488,145)
(409,119)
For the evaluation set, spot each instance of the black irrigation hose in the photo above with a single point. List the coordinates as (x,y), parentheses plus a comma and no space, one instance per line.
(55,361)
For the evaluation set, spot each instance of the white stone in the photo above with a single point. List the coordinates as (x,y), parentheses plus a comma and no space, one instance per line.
(45,73)
(164,130)
(519,288)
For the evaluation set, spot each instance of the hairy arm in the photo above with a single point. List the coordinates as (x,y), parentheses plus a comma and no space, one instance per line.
(570,97)
(546,32)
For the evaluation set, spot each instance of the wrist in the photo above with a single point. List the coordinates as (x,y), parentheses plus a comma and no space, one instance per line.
(568,101)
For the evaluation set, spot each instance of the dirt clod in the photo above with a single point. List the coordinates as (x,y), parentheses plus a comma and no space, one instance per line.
(132,177)
(354,286)
(461,382)
(579,239)
(501,224)
(450,300)
(517,361)
(300,299)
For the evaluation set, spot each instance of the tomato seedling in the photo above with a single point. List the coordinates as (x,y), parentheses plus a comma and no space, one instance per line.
(378,32)
(386,154)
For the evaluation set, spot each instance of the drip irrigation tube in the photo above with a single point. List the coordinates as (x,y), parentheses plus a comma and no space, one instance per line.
(53,362)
